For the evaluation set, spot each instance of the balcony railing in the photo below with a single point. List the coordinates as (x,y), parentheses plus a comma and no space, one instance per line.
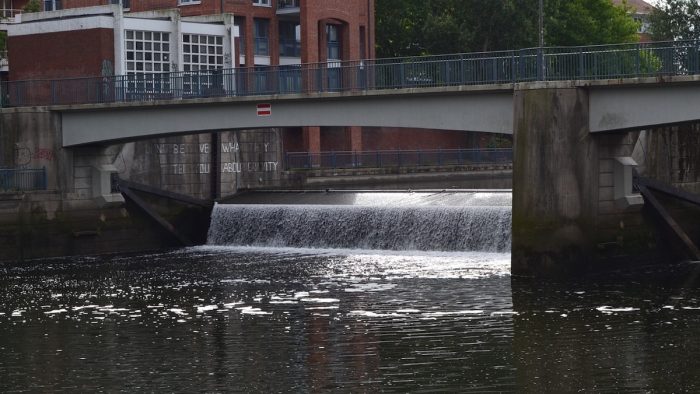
(504,67)
(398,158)
(6,13)
(21,179)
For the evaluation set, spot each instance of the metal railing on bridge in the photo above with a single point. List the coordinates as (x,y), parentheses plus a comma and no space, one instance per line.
(397,158)
(535,64)
(22,179)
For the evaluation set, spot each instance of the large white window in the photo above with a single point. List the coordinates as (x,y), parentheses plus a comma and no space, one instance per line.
(202,52)
(263,3)
(147,52)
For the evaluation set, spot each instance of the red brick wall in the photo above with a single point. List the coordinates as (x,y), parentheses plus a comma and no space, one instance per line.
(350,13)
(60,55)
(19,4)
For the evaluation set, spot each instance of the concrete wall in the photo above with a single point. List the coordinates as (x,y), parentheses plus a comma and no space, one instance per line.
(671,155)
(69,219)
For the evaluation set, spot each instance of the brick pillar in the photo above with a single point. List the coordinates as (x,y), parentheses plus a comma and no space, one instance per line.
(353,138)
(322,42)
(312,139)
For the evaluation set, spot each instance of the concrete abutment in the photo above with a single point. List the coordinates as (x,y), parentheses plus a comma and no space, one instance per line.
(568,216)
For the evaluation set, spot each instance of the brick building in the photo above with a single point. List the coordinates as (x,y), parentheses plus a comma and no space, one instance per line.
(88,38)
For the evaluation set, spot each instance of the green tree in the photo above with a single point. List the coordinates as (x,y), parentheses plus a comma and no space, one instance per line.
(415,27)
(588,22)
(398,27)
(676,20)
(32,6)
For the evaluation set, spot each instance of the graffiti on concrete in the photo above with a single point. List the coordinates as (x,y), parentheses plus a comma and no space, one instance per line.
(24,155)
(44,154)
(231,161)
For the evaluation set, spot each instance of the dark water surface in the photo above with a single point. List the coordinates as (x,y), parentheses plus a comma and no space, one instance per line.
(292,320)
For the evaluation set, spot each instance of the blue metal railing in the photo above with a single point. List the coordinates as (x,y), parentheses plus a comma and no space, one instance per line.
(397,158)
(20,179)
(535,64)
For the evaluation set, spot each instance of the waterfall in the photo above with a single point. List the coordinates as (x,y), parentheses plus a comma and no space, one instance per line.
(385,227)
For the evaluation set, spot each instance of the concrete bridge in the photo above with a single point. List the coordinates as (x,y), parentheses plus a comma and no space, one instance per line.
(575,114)
(613,105)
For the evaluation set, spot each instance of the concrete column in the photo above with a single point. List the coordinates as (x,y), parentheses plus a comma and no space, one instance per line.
(555,182)
(353,138)
(312,139)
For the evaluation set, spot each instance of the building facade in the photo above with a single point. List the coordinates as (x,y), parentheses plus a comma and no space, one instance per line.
(96,38)
(89,38)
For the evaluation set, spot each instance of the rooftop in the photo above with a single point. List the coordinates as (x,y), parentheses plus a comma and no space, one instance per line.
(640,6)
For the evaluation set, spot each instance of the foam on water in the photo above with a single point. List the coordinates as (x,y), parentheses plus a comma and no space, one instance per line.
(410,221)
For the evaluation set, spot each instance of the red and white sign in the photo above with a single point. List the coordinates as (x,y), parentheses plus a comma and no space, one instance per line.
(264,109)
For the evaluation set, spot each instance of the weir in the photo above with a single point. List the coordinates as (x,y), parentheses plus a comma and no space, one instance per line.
(375,221)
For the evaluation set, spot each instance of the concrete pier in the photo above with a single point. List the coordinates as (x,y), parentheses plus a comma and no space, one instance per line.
(573,205)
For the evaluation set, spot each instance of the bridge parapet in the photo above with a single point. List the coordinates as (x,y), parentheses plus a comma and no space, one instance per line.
(674,58)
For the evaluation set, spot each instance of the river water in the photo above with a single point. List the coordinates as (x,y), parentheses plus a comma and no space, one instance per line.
(281,318)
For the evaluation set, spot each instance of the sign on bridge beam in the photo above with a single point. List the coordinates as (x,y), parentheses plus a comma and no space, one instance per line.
(264,109)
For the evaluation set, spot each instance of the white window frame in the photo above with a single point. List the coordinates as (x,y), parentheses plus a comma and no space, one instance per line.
(188,2)
(262,3)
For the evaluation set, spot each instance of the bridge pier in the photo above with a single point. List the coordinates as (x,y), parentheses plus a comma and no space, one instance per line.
(566,215)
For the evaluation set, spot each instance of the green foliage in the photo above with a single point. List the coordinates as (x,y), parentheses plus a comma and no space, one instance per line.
(676,20)
(588,22)
(3,40)
(32,6)
(419,27)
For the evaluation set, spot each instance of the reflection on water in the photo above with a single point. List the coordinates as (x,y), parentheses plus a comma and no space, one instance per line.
(242,319)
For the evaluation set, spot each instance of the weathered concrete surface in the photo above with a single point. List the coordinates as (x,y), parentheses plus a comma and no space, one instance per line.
(671,155)
(183,164)
(564,215)
(643,106)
